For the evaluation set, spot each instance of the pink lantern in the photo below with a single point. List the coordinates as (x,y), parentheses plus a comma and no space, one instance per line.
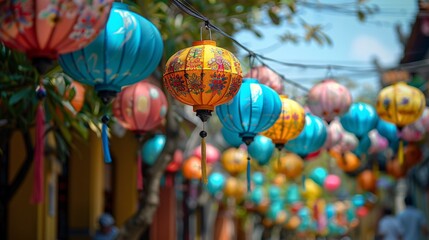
(424,120)
(45,29)
(411,133)
(332,182)
(329,99)
(212,153)
(362,211)
(335,134)
(348,143)
(140,107)
(267,77)
(176,163)
(378,142)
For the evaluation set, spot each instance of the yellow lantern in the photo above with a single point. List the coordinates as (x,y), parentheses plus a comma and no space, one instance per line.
(312,190)
(234,160)
(291,165)
(401,105)
(289,124)
(203,76)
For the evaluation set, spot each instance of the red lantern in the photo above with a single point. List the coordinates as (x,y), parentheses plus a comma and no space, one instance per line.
(176,163)
(140,107)
(45,29)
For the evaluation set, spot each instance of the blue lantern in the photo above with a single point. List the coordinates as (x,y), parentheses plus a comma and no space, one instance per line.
(258,178)
(312,137)
(261,149)
(292,194)
(274,209)
(363,146)
(232,138)
(152,148)
(390,132)
(330,210)
(358,200)
(274,193)
(254,109)
(318,175)
(125,52)
(257,195)
(360,119)
(216,183)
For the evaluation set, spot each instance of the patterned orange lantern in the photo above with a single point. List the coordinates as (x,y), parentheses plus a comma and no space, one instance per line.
(203,76)
(400,104)
(289,124)
(192,168)
(234,160)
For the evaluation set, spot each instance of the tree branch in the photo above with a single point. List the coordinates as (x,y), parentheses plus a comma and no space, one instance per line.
(142,219)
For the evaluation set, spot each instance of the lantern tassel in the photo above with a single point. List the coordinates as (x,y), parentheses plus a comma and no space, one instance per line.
(303,178)
(39,149)
(401,152)
(139,171)
(248,173)
(105,141)
(203,160)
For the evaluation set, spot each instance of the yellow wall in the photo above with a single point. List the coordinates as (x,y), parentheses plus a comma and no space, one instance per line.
(125,199)
(86,171)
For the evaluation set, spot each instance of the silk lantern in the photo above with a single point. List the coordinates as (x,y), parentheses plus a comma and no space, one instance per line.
(363,146)
(234,160)
(176,163)
(216,183)
(140,107)
(152,148)
(400,104)
(254,109)
(390,132)
(424,119)
(412,133)
(267,77)
(360,119)
(289,124)
(230,137)
(348,143)
(258,178)
(290,164)
(115,58)
(332,182)
(329,99)
(318,175)
(261,149)
(203,76)
(378,142)
(292,194)
(348,161)
(192,168)
(367,181)
(311,138)
(335,134)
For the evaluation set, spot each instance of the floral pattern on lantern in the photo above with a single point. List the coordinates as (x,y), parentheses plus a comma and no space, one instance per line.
(329,99)
(203,75)
(290,123)
(47,28)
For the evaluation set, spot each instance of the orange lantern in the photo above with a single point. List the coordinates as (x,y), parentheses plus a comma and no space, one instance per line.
(367,181)
(348,161)
(289,124)
(192,168)
(400,104)
(234,160)
(395,169)
(291,165)
(412,154)
(203,76)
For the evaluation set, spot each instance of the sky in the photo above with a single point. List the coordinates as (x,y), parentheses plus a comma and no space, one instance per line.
(355,43)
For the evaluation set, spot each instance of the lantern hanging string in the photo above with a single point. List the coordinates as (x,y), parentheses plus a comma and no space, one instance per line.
(39,148)
(203,134)
(248,173)
(187,8)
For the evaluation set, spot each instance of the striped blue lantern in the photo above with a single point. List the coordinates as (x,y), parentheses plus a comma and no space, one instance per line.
(390,132)
(312,137)
(125,52)
(254,109)
(360,119)
(261,149)
(232,138)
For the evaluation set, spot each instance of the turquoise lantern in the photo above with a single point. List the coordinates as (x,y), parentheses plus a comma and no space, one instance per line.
(216,183)
(127,51)
(360,119)
(390,132)
(312,137)
(152,148)
(363,145)
(254,109)
(261,149)
(232,138)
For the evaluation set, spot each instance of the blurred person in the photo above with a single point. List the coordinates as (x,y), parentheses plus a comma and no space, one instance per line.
(389,227)
(413,221)
(107,230)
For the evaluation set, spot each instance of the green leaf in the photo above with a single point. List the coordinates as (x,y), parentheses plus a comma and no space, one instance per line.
(273,16)
(361,15)
(19,95)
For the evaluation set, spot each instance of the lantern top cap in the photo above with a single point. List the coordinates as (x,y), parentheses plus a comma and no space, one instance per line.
(120,5)
(204,42)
